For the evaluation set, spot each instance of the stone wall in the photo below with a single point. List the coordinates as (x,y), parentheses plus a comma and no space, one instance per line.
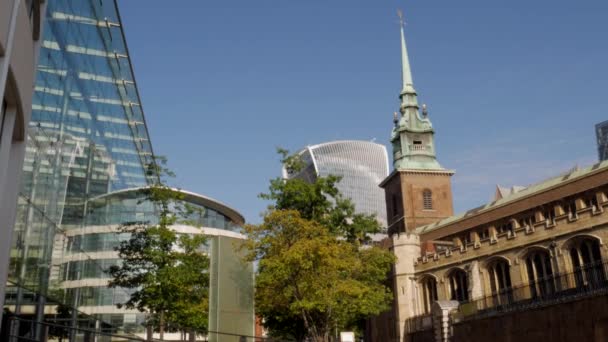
(583,320)
(422,336)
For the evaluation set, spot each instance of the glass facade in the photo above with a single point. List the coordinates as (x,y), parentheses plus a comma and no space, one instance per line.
(601,131)
(87,137)
(362,166)
(86,156)
(231,280)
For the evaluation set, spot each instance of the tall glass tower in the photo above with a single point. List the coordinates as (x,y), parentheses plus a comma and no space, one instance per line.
(601,131)
(87,137)
(362,166)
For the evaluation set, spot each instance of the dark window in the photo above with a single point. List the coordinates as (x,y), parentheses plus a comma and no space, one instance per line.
(571,208)
(427,199)
(540,273)
(396,203)
(429,293)
(587,265)
(550,213)
(591,201)
(466,238)
(500,282)
(505,228)
(484,234)
(459,285)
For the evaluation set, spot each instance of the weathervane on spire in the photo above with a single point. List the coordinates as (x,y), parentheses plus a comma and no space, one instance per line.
(400,14)
(408,83)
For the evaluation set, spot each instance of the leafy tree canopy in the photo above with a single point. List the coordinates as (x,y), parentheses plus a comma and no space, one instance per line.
(306,273)
(314,275)
(168,272)
(320,201)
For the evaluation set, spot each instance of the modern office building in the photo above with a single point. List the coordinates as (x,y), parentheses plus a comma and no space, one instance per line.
(362,166)
(87,149)
(601,131)
(87,136)
(20,29)
(87,250)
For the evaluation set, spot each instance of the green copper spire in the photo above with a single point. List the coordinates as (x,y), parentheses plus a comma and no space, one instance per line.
(406,73)
(412,136)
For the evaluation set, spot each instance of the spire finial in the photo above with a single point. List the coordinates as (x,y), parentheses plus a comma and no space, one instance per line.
(395,118)
(405,62)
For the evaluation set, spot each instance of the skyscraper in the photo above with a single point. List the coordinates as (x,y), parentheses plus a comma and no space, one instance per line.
(87,155)
(87,137)
(601,131)
(362,166)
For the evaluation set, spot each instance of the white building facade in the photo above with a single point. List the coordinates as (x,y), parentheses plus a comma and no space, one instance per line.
(362,166)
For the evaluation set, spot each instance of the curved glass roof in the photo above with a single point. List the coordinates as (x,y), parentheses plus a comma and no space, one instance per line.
(130,205)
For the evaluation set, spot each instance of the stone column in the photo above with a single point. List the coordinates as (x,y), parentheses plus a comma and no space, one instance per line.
(475,285)
(442,323)
(406,247)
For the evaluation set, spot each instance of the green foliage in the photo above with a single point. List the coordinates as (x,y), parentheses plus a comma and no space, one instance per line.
(320,201)
(314,275)
(306,274)
(167,271)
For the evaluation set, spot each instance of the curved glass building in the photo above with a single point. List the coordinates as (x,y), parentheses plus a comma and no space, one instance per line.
(362,166)
(90,251)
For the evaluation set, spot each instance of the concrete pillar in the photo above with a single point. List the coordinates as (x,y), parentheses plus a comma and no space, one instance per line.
(442,322)
(406,247)
(11,162)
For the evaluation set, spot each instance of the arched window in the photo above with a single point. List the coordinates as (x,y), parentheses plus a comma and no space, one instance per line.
(500,281)
(540,273)
(429,293)
(459,285)
(427,199)
(587,265)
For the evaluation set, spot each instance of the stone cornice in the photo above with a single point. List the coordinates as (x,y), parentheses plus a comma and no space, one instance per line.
(442,172)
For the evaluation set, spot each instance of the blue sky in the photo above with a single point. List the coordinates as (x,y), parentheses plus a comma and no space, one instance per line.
(514,88)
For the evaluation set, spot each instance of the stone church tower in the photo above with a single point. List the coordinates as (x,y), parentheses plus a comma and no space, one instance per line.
(417,192)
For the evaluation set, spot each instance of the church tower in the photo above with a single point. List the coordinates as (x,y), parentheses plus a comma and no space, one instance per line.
(418,191)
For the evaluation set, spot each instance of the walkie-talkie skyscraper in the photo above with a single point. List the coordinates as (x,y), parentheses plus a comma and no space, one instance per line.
(362,166)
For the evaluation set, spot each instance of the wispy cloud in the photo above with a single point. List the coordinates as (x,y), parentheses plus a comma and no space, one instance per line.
(481,168)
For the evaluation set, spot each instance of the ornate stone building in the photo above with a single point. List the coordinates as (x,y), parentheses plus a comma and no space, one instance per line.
(529,246)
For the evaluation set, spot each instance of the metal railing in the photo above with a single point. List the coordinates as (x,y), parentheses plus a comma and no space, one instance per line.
(590,279)
(24,330)
(17,329)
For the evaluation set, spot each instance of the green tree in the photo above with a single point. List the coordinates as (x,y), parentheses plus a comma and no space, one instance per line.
(167,271)
(315,274)
(306,274)
(319,201)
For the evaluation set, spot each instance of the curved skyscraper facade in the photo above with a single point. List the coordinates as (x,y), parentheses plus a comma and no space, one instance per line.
(362,166)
